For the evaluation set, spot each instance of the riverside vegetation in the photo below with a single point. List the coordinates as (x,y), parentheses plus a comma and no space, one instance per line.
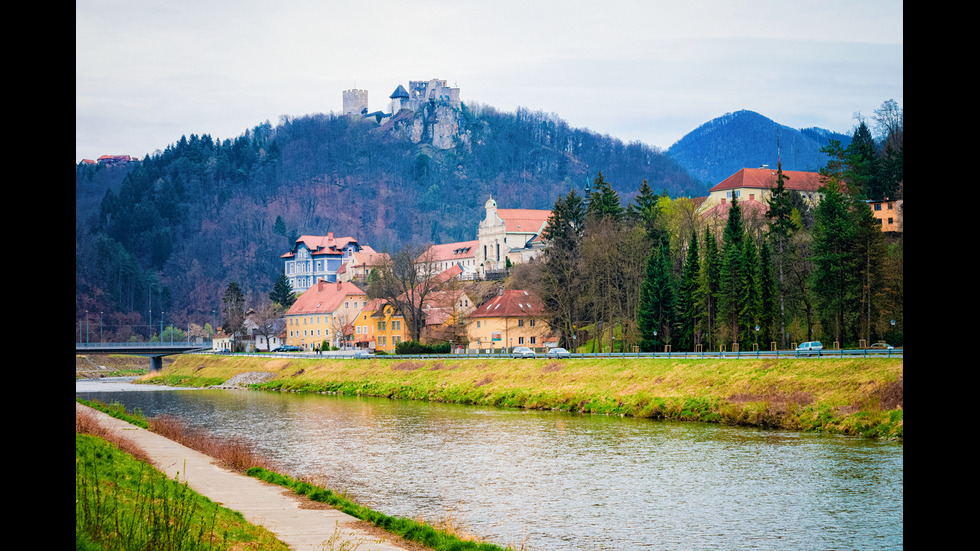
(852,396)
(123,503)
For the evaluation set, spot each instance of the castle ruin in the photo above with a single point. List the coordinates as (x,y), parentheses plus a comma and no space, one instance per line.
(419,93)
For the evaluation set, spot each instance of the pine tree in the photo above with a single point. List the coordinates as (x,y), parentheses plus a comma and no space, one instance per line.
(732,273)
(644,210)
(749,301)
(282,292)
(688,313)
(769,296)
(655,315)
(604,201)
(707,291)
(834,268)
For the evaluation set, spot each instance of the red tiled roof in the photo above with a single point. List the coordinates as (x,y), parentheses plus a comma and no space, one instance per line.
(524,220)
(323,298)
(450,251)
(321,244)
(765,178)
(509,304)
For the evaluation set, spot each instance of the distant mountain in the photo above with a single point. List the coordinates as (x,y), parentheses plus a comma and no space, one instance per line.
(745,139)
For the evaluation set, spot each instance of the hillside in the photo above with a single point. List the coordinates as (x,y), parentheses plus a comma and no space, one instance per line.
(168,234)
(745,139)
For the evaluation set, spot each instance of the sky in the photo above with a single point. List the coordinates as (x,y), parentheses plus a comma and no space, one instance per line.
(149,72)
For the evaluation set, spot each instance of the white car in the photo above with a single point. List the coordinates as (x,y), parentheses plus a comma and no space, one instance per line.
(809,347)
(559,353)
(522,352)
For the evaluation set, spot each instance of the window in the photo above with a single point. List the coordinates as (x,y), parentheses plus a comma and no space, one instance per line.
(533,339)
(532,323)
(520,340)
(520,323)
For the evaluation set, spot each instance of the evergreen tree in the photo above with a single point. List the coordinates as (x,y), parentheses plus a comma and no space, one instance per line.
(769,318)
(655,315)
(869,256)
(688,313)
(604,202)
(834,268)
(644,210)
(749,303)
(707,291)
(282,292)
(782,225)
(732,274)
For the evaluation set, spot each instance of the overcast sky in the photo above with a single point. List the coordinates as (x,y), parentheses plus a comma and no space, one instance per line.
(148,72)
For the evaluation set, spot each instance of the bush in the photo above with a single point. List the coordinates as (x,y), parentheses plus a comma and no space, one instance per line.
(415,347)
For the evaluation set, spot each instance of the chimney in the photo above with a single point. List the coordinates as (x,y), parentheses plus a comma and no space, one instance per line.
(330,235)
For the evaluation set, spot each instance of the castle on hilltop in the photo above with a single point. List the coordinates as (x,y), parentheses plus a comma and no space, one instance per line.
(418,94)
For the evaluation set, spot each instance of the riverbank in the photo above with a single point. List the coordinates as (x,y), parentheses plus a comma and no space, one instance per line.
(861,397)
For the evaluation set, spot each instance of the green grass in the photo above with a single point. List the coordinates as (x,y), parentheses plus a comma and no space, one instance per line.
(411,530)
(858,396)
(124,503)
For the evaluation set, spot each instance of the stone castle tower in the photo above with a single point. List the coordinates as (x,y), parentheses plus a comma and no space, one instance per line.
(355,102)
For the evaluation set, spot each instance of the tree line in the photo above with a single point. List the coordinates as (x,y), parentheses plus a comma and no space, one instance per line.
(651,274)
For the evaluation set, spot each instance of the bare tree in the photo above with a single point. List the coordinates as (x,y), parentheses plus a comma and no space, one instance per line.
(269,321)
(406,280)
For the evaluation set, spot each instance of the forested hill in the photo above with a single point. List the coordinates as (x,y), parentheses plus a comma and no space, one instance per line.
(745,139)
(171,232)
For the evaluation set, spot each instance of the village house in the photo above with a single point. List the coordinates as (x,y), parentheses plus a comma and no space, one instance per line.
(446,317)
(359,265)
(512,318)
(380,327)
(753,186)
(888,213)
(316,257)
(509,234)
(446,256)
(324,313)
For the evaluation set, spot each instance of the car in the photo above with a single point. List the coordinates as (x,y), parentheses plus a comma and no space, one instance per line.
(361,354)
(882,346)
(286,348)
(559,353)
(809,347)
(522,352)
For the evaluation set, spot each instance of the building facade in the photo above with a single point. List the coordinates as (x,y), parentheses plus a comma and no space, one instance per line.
(509,234)
(512,318)
(316,257)
(324,313)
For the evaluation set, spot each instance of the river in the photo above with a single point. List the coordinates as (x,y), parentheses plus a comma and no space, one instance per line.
(560,481)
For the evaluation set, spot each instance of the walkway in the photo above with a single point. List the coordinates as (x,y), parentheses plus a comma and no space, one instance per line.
(263,504)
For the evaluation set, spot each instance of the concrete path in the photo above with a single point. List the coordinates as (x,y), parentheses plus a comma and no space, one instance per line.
(263,504)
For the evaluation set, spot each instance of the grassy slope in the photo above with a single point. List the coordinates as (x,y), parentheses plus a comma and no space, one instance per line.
(849,396)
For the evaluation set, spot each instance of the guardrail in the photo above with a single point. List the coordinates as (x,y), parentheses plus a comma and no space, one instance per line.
(842,353)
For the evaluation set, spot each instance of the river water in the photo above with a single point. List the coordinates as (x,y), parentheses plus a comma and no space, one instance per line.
(559,481)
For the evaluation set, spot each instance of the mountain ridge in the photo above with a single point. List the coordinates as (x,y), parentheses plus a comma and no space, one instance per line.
(745,139)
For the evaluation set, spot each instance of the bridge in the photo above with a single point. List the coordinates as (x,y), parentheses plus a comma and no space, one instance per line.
(154,350)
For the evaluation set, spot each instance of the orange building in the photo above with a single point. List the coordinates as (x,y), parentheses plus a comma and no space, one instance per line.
(888,213)
(512,318)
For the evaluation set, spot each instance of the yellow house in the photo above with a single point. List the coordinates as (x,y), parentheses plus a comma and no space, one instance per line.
(380,327)
(512,318)
(324,312)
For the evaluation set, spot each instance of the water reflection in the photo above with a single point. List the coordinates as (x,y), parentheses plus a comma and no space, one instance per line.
(564,481)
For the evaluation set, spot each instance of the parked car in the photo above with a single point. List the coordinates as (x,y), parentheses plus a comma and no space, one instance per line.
(809,347)
(361,354)
(882,346)
(559,353)
(286,348)
(522,352)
